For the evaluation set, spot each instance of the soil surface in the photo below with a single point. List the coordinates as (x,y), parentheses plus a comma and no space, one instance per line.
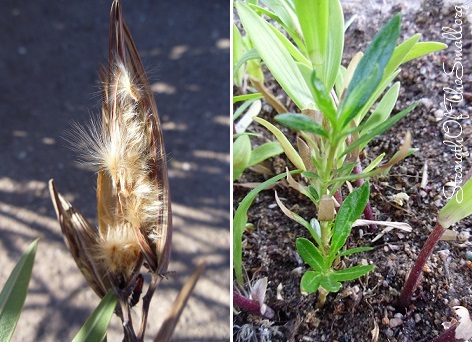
(49,58)
(367,304)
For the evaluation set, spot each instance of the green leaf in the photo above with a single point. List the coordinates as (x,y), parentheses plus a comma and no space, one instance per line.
(240,220)
(290,152)
(241,155)
(383,109)
(96,326)
(377,130)
(311,254)
(329,283)
(352,273)
(246,57)
(335,44)
(13,295)
(355,250)
(350,210)
(276,57)
(323,100)
(313,18)
(459,205)
(377,55)
(310,282)
(399,54)
(294,52)
(247,97)
(238,51)
(423,49)
(263,152)
(301,122)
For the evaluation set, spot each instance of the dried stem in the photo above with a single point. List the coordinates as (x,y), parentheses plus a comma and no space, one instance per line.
(414,276)
(146,302)
(447,335)
(130,335)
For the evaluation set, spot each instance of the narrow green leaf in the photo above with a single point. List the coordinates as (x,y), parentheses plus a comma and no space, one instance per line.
(247,97)
(335,44)
(350,210)
(301,122)
(276,57)
(241,155)
(329,283)
(313,18)
(240,220)
(383,109)
(324,100)
(423,49)
(459,205)
(311,254)
(96,326)
(377,55)
(374,163)
(238,51)
(352,273)
(355,250)
(399,54)
(263,152)
(246,57)
(365,138)
(290,152)
(13,295)
(310,282)
(294,52)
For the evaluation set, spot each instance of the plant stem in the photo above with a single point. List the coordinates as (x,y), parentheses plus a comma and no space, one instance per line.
(146,301)
(414,276)
(322,294)
(447,335)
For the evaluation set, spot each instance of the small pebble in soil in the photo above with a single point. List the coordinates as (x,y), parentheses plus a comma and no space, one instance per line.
(463,236)
(468,255)
(395,322)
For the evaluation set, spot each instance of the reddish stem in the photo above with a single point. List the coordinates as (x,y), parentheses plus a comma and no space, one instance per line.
(251,306)
(414,277)
(447,335)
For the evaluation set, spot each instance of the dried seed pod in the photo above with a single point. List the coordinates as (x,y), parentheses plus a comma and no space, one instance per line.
(133,190)
(82,239)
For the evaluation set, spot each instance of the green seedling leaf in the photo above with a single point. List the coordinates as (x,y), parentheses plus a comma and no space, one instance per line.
(246,57)
(335,45)
(355,250)
(238,51)
(459,205)
(240,220)
(374,163)
(294,52)
(399,54)
(377,130)
(310,282)
(290,152)
(352,273)
(315,230)
(313,191)
(350,210)
(276,57)
(422,49)
(323,100)
(329,283)
(311,175)
(241,155)
(96,326)
(311,254)
(247,97)
(13,295)
(377,55)
(383,109)
(339,84)
(301,122)
(313,18)
(263,152)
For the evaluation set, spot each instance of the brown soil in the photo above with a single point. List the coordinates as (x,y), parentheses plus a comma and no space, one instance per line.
(361,305)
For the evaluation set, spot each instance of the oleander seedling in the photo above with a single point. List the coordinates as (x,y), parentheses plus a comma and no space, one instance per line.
(339,110)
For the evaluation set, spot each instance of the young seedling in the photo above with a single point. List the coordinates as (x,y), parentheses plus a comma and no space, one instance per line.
(458,207)
(336,120)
